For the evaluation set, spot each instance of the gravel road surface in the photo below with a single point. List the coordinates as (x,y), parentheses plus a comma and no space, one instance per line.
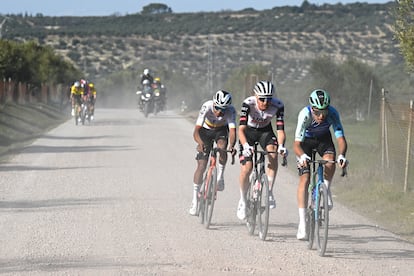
(112,198)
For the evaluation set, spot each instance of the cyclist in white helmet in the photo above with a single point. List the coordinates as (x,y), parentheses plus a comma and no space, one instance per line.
(216,122)
(255,126)
(313,132)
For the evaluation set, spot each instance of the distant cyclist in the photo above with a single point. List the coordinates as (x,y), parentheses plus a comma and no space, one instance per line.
(76,93)
(255,126)
(313,132)
(92,99)
(216,122)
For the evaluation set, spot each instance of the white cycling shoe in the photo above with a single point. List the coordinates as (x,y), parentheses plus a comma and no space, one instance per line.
(301,234)
(193,209)
(241,210)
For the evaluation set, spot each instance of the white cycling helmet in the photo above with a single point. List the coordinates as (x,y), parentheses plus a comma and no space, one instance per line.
(264,89)
(77,84)
(222,99)
(146,71)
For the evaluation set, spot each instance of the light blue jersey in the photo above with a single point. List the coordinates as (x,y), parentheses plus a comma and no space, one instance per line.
(308,128)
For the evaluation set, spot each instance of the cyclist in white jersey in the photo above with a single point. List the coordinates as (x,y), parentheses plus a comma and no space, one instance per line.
(313,132)
(255,126)
(216,122)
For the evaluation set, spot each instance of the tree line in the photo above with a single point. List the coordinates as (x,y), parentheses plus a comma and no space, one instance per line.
(32,63)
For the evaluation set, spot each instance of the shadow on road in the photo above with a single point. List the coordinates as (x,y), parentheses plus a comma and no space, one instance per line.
(47,204)
(51,149)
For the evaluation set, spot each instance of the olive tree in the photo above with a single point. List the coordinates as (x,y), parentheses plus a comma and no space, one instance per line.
(404,30)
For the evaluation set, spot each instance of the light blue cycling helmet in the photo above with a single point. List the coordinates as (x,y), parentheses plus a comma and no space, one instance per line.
(319,99)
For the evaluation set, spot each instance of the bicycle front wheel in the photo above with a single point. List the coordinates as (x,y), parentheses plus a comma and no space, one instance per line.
(211,197)
(322,225)
(263,207)
(251,206)
(310,225)
(201,202)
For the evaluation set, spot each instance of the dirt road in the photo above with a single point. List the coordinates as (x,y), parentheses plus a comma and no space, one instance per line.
(112,198)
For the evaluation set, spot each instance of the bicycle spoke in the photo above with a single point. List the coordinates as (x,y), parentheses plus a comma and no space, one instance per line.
(211,196)
(251,208)
(263,210)
(323,220)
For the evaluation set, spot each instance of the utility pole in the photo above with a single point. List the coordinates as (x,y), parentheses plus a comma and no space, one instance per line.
(1,26)
(209,67)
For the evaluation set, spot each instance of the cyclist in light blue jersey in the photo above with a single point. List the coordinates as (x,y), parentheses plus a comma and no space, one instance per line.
(313,132)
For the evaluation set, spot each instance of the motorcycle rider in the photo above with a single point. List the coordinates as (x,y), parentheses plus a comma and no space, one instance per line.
(146,76)
(162,90)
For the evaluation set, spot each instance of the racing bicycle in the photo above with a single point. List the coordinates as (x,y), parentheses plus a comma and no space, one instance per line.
(257,205)
(208,190)
(317,217)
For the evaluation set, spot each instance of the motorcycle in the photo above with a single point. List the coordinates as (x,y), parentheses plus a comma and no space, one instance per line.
(157,101)
(146,101)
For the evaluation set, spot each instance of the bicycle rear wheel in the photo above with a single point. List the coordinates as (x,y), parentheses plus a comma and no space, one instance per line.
(211,197)
(263,207)
(251,206)
(322,225)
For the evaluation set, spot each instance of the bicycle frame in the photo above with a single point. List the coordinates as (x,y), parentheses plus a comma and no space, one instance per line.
(208,191)
(318,210)
(258,195)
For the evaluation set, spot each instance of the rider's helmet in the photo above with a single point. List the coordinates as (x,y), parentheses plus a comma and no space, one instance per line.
(319,99)
(222,99)
(264,89)
(146,82)
(77,84)
(157,80)
(146,71)
(91,85)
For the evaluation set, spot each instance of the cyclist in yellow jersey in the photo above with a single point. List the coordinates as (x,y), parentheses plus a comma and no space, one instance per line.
(92,98)
(76,93)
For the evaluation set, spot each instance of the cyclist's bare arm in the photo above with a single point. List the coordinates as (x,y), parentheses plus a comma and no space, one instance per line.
(242,135)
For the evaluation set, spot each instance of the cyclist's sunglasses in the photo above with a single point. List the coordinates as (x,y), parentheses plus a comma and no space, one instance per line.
(218,108)
(265,99)
(319,112)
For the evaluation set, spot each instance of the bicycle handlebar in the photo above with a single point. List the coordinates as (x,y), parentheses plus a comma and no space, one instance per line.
(265,152)
(227,151)
(323,162)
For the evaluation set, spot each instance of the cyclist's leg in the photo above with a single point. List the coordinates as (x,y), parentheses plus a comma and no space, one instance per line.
(221,141)
(268,141)
(245,170)
(202,160)
(302,191)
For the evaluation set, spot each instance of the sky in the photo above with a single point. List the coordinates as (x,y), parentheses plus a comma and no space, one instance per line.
(123,7)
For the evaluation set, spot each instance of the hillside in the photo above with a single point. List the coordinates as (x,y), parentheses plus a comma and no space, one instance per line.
(284,38)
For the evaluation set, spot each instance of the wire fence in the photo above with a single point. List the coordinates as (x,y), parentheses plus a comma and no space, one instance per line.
(397,143)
